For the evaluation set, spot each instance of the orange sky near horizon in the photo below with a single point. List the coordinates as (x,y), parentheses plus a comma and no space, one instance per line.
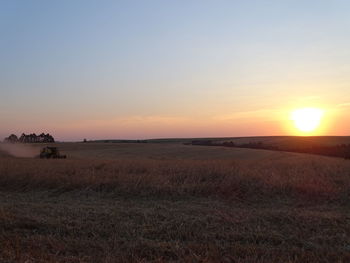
(161,69)
(254,123)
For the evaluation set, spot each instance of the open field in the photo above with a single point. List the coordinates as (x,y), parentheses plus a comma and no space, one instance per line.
(291,141)
(160,151)
(272,140)
(283,141)
(171,202)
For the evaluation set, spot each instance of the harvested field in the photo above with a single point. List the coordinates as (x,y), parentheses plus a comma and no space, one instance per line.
(131,205)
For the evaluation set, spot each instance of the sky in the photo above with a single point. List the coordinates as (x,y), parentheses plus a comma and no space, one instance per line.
(160,69)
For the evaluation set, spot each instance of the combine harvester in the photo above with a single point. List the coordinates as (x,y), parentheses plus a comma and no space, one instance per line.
(51,153)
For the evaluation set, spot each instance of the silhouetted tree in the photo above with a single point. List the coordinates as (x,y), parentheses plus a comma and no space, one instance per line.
(33,138)
(11,139)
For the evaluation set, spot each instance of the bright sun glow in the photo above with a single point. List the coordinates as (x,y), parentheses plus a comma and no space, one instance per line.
(307,119)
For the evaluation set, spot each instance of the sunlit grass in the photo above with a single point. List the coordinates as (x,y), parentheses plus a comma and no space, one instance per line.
(279,208)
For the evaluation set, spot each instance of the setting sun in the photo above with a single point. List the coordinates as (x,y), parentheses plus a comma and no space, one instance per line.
(307,119)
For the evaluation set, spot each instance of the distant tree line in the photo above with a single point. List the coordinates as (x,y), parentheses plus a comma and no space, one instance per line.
(341,150)
(116,141)
(30,138)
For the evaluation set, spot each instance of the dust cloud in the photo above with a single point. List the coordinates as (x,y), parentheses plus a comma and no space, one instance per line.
(19,150)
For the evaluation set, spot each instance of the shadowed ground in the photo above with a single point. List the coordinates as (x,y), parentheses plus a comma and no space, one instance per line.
(276,207)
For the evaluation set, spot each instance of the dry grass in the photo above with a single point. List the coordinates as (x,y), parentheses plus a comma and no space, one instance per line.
(158,151)
(289,208)
(305,177)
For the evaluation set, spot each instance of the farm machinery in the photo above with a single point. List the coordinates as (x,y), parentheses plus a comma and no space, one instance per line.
(51,153)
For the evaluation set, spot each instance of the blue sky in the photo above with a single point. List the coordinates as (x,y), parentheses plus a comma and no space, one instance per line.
(141,69)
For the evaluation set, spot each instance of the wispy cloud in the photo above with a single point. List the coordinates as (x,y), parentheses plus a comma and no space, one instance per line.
(254,114)
(343,105)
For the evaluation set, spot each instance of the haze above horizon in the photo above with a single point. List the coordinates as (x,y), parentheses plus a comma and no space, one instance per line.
(168,69)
